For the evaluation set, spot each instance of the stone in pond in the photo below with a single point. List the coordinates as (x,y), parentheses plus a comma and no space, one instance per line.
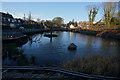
(72,46)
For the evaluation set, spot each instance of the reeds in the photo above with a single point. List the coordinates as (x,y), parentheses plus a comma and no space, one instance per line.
(96,64)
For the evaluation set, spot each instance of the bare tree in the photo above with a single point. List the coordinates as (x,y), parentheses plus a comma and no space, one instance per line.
(92,12)
(38,20)
(118,10)
(109,11)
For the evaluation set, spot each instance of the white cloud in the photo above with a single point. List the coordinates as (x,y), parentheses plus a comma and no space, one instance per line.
(35,19)
(18,15)
(21,15)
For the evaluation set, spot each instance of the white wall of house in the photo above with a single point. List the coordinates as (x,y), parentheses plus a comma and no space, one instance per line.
(72,26)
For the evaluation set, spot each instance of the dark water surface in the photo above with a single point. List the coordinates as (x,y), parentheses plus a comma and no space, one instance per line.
(53,51)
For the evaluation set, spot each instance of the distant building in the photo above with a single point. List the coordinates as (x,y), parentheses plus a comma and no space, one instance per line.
(72,26)
(83,25)
(80,25)
(7,20)
(19,22)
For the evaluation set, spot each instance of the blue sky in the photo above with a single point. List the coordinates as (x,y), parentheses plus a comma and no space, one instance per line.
(50,10)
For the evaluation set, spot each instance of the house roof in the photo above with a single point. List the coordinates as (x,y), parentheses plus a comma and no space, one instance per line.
(6,15)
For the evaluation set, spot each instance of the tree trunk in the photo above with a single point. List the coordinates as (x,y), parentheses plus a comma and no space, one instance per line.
(51,31)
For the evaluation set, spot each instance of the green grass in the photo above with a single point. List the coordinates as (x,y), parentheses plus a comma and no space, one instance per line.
(97,65)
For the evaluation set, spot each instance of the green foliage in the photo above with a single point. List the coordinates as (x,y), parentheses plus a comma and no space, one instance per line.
(75,24)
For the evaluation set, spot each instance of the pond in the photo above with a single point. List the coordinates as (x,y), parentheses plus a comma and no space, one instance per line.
(45,51)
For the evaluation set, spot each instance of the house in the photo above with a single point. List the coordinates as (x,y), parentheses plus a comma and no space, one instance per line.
(7,21)
(80,25)
(85,25)
(72,26)
(19,22)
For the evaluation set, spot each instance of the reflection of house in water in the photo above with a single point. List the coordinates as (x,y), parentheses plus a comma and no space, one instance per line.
(71,34)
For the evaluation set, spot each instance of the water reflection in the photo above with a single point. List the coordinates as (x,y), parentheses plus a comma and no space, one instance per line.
(40,50)
(33,39)
(50,39)
(89,41)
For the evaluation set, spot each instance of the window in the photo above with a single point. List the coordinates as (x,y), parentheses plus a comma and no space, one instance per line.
(19,21)
(9,20)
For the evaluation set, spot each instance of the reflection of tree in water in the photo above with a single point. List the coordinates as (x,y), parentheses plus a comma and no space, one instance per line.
(22,60)
(89,41)
(20,42)
(13,53)
(118,49)
(30,41)
(36,40)
(104,45)
(32,60)
(50,39)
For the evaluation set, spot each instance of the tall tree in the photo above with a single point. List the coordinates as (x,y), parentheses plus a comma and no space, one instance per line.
(58,21)
(92,12)
(109,11)
(75,24)
(49,24)
(38,20)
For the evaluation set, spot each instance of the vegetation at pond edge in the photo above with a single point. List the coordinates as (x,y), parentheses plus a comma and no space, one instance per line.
(15,54)
(96,65)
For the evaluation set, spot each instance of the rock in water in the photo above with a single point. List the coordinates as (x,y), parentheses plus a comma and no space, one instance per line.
(72,46)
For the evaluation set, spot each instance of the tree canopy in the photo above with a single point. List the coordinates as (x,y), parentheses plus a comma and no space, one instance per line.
(58,21)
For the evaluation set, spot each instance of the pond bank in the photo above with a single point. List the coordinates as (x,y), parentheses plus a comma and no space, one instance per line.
(13,37)
(103,34)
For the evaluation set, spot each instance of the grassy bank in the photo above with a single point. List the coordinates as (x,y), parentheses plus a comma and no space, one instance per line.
(103,34)
(110,28)
(97,65)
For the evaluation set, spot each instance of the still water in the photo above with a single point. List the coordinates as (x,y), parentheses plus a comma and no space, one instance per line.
(54,51)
